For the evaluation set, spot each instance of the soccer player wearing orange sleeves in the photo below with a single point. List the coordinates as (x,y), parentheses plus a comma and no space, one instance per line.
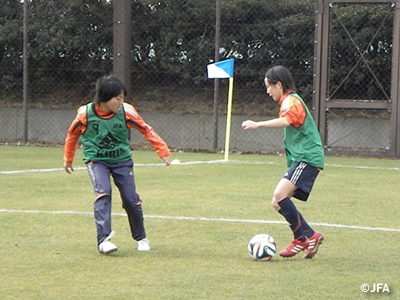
(103,127)
(304,155)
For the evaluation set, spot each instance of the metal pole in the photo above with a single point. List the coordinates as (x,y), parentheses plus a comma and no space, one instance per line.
(216,58)
(122,42)
(395,123)
(25,74)
(317,62)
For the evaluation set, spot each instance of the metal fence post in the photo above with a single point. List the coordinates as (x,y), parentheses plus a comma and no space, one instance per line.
(25,75)
(122,42)
(216,58)
(396,78)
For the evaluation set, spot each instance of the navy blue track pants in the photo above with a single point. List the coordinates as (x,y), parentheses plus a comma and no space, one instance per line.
(100,173)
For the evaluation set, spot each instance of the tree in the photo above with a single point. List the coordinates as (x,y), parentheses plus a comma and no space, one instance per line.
(70,44)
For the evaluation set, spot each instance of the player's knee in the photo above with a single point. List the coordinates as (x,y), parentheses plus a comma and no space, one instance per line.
(274,204)
(132,202)
(102,196)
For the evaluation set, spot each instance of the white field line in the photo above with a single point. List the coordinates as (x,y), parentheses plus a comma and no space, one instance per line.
(363,167)
(136,165)
(197,163)
(203,219)
(181,218)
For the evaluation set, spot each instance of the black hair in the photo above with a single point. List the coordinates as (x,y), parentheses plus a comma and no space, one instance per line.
(280,73)
(108,87)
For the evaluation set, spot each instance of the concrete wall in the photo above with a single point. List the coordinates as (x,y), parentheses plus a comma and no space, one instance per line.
(193,131)
(180,131)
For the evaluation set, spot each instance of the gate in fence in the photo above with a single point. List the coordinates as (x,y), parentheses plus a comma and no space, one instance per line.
(357,76)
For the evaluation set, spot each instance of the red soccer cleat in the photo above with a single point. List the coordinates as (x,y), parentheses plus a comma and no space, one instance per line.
(314,243)
(295,247)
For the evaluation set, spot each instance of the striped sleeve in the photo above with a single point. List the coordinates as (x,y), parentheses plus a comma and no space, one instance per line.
(293,111)
(134,120)
(77,127)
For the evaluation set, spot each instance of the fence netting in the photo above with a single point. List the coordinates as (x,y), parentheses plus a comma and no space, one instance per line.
(70,46)
(360,68)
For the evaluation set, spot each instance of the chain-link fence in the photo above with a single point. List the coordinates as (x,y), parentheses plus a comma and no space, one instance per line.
(359,98)
(71,44)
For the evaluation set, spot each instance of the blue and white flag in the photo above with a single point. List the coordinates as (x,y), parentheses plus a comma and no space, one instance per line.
(221,69)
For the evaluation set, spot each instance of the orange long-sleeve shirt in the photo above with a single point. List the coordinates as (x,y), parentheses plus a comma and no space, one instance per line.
(133,120)
(292,109)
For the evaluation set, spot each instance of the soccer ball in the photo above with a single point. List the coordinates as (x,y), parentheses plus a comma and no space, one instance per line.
(262,247)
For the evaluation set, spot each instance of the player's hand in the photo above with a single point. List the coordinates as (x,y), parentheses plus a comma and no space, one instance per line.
(249,124)
(68,167)
(167,160)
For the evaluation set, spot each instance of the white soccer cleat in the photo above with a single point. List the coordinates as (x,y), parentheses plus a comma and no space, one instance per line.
(143,245)
(106,247)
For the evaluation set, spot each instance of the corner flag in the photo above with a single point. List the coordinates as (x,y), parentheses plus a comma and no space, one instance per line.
(224,69)
(221,69)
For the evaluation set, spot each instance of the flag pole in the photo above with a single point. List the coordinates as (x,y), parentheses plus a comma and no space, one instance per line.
(228,119)
(224,69)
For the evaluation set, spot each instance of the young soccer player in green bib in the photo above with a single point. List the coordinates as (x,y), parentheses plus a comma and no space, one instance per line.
(304,154)
(103,127)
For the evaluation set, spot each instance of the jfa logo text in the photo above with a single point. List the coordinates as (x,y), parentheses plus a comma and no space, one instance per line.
(375,288)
